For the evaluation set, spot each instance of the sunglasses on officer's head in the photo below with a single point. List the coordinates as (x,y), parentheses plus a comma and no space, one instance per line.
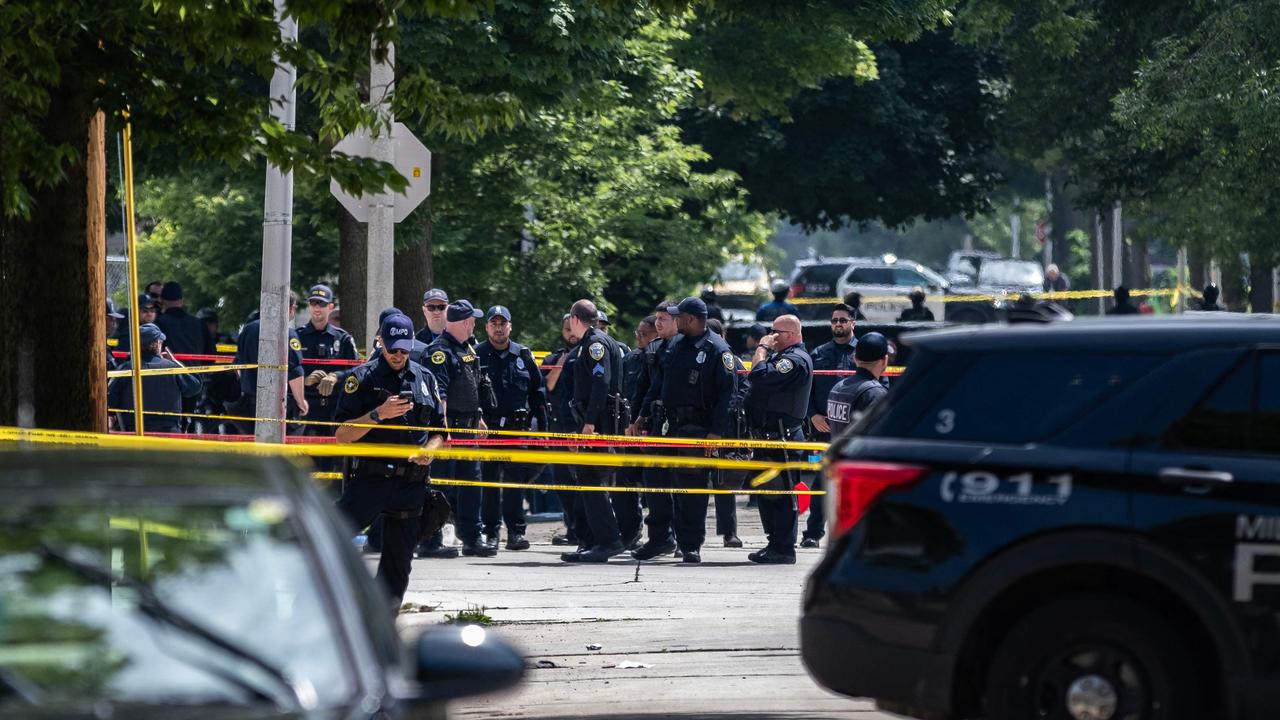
(437,308)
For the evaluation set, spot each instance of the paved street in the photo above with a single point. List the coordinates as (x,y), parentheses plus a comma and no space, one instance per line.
(717,640)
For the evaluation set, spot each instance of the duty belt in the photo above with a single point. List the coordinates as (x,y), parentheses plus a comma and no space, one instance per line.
(380,467)
(689,416)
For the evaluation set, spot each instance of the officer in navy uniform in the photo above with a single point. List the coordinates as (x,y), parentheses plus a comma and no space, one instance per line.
(598,407)
(855,394)
(521,405)
(390,391)
(649,418)
(781,379)
(626,505)
(727,505)
(559,367)
(247,354)
(834,355)
(160,393)
(323,341)
(697,384)
(435,305)
(452,359)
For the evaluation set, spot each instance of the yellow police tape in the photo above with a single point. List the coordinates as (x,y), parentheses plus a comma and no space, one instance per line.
(1061,295)
(767,470)
(149,372)
(531,436)
(593,488)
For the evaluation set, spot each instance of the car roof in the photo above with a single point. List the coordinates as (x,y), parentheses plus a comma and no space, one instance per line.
(60,467)
(1143,333)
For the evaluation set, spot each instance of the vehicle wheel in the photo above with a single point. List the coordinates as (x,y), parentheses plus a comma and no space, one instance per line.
(1091,657)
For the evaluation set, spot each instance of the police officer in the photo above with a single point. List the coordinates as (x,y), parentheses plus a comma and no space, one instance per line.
(779,306)
(160,393)
(781,379)
(854,395)
(392,392)
(435,303)
(696,389)
(649,420)
(917,312)
(834,355)
(558,365)
(521,405)
(146,314)
(598,408)
(452,359)
(322,341)
(626,505)
(247,353)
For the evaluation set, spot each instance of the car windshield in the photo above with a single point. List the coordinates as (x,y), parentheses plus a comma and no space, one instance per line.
(159,602)
(1013,273)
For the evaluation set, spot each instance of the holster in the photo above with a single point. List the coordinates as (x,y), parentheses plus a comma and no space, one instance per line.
(435,513)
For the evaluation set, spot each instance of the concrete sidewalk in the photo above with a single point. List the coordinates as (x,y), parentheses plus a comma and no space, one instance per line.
(716,640)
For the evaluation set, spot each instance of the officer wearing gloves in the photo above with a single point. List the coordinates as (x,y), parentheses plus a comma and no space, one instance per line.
(321,340)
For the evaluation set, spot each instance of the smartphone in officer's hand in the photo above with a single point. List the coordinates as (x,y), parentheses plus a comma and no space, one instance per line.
(406,395)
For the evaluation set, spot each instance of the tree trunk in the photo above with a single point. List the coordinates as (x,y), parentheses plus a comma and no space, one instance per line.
(413,268)
(1138,272)
(1062,219)
(1234,297)
(1197,267)
(1260,299)
(353,236)
(52,368)
(96,265)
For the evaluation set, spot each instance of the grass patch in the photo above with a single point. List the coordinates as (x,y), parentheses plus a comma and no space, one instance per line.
(474,615)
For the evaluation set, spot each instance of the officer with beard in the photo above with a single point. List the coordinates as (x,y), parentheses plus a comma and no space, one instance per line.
(521,404)
(697,384)
(834,355)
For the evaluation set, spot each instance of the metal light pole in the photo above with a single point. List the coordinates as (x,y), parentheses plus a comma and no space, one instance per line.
(380,265)
(277,250)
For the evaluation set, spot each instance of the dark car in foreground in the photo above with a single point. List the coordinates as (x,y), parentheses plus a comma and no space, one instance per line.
(156,585)
(1076,521)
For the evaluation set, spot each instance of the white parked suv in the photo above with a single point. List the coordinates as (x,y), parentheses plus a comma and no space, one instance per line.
(883,283)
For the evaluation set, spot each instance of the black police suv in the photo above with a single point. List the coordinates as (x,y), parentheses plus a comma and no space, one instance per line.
(1076,521)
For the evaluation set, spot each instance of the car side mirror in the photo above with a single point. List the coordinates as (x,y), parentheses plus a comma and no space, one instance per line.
(456,661)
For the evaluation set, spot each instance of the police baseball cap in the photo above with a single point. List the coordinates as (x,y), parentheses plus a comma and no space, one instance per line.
(435,294)
(499,311)
(461,310)
(871,347)
(382,316)
(111,310)
(146,301)
(149,333)
(689,306)
(322,293)
(171,291)
(602,317)
(397,332)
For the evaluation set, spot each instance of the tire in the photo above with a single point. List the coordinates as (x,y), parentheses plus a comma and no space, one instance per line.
(1068,644)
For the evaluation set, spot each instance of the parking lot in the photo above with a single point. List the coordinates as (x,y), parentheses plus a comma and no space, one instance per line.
(716,640)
